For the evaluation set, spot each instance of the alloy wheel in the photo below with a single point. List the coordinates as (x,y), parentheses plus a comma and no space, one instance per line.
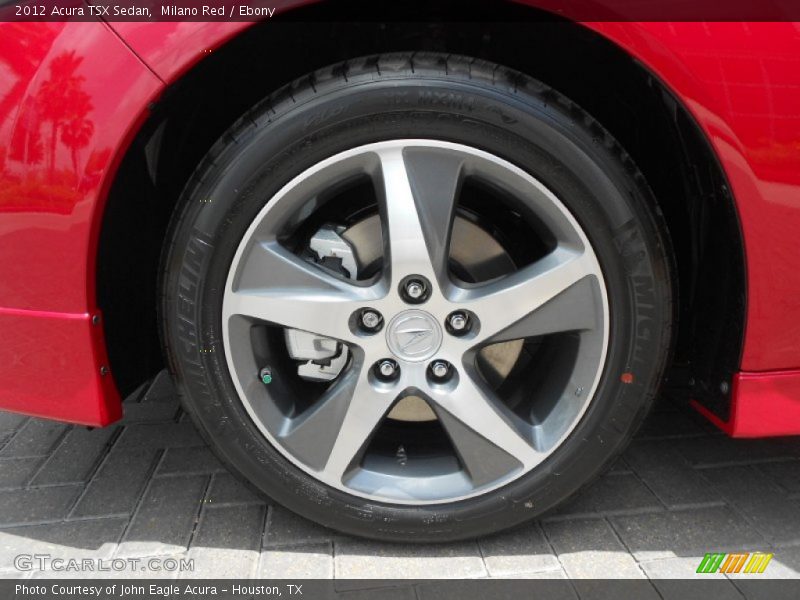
(412,325)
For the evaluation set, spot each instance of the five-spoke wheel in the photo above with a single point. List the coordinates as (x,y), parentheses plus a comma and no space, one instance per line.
(415,328)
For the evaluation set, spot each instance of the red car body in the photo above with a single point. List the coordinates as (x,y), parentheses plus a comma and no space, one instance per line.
(740,81)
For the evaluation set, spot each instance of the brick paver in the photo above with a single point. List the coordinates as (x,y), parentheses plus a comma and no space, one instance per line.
(149,487)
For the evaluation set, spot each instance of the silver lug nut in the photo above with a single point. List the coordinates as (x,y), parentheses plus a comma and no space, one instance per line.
(440,369)
(415,289)
(370,320)
(457,321)
(387,369)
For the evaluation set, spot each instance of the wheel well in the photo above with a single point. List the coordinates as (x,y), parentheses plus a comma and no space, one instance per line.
(649,122)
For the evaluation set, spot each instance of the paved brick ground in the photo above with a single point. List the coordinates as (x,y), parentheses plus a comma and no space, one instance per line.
(149,487)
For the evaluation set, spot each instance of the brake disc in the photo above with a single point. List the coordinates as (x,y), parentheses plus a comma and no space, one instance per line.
(479,257)
(358,249)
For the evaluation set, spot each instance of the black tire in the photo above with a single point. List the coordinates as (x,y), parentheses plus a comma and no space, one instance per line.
(454,99)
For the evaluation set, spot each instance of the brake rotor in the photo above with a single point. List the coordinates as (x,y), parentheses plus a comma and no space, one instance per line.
(476,256)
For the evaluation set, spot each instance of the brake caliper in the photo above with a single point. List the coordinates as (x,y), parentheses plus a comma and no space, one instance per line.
(323,357)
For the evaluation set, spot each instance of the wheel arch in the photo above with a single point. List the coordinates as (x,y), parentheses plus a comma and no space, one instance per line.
(204,96)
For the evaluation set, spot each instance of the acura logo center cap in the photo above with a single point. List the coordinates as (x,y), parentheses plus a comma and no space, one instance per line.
(414,336)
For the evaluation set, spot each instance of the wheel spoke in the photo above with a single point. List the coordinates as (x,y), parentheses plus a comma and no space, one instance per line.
(420,187)
(331,436)
(489,439)
(302,296)
(557,293)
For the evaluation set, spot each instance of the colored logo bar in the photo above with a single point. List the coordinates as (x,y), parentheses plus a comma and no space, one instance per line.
(734,562)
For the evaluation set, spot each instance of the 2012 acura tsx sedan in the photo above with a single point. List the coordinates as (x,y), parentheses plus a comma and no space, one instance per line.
(415,281)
